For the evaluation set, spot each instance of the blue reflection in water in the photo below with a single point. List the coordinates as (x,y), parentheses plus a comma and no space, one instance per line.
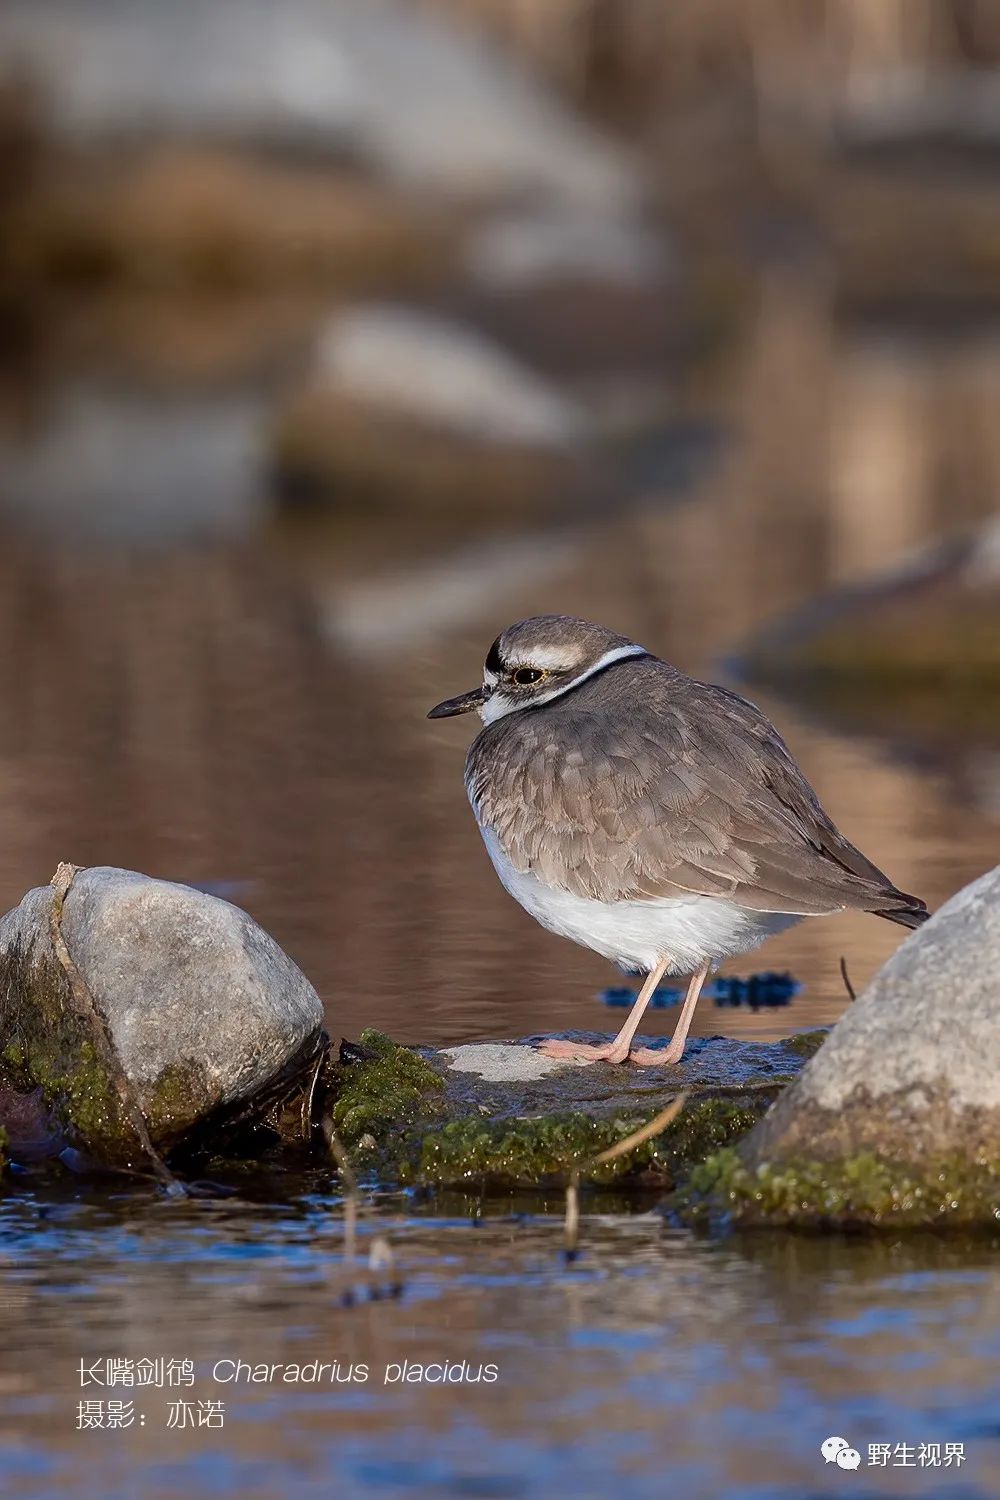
(764,991)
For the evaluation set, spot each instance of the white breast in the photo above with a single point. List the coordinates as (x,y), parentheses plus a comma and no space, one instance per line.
(689,930)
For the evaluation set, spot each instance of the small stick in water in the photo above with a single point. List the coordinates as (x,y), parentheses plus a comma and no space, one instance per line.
(848,986)
(571,1230)
(381,1263)
(350,1182)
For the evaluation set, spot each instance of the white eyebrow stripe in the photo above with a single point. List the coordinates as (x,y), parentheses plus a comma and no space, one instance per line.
(497,705)
(546,657)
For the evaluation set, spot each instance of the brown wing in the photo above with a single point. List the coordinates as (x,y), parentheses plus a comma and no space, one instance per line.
(644,783)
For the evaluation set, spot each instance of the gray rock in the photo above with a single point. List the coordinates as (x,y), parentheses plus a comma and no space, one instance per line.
(204,1008)
(425,103)
(912,1071)
(432,371)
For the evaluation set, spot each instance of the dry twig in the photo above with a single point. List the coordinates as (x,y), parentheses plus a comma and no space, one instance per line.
(310,1094)
(644,1133)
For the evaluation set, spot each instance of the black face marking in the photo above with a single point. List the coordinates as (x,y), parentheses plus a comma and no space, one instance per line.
(494,661)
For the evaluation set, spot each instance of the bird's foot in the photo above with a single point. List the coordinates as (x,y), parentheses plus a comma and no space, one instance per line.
(655,1057)
(612,1052)
(582,1052)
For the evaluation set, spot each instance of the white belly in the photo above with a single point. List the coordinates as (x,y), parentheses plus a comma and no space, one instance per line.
(689,930)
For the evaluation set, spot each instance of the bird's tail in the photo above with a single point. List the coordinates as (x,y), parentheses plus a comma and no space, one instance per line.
(908,911)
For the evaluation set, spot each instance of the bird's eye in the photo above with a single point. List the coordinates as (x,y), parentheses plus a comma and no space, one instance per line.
(524,675)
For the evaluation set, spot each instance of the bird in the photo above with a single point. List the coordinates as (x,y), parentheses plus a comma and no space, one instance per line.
(656,819)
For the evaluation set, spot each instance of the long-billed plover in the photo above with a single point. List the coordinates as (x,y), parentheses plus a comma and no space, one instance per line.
(661,821)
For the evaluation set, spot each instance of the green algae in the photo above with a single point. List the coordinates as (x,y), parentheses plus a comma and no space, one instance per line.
(46,1044)
(858,1192)
(536,1152)
(177,1097)
(387,1092)
(806,1043)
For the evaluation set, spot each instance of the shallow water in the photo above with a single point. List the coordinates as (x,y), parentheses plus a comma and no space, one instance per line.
(684,1366)
(218,716)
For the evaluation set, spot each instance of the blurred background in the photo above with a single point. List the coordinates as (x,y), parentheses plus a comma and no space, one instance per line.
(335,336)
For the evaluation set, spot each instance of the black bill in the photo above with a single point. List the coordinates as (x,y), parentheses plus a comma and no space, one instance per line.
(463,704)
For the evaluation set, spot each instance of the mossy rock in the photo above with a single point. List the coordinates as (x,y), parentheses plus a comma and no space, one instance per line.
(404,1117)
(917,651)
(859,1192)
(806,1043)
(895,1122)
(149,1013)
(47,1044)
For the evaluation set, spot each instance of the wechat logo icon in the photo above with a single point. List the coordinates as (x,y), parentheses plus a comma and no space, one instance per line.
(837,1450)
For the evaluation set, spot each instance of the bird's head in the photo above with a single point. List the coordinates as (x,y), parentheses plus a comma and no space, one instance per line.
(536,660)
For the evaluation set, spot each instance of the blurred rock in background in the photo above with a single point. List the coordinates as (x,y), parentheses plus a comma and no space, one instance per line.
(406,409)
(382,84)
(221,151)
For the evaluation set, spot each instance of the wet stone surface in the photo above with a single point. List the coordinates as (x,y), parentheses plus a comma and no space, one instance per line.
(497,1115)
(511,1078)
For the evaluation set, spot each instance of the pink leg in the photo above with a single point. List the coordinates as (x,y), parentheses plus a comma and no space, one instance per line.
(650,1057)
(618,1050)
